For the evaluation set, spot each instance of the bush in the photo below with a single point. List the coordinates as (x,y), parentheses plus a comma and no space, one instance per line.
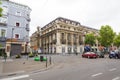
(31,54)
(18,56)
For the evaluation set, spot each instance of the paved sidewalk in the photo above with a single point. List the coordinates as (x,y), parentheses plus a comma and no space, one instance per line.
(20,66)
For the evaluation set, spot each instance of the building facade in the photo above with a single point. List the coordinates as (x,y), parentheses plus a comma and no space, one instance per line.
(63,36)
(14,25)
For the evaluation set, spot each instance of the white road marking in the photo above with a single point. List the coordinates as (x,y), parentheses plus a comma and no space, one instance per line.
(17,77)
(7,60)
(97,74)
(116,78)
(112,69)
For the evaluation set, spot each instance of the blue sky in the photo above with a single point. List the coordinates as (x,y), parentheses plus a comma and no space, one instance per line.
(92,13)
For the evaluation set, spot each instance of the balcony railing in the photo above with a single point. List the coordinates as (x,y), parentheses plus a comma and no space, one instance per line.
(63,41)
(69,42)
(75,42)
(54,41)
(80,42)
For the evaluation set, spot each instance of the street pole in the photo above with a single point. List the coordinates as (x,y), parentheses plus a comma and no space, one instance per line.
(46,62)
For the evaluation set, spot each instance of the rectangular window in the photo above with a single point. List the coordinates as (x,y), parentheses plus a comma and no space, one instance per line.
(28,15)
(3,32)
(18,13)
(62,36)
(17,24)
(69,36)
(16,36)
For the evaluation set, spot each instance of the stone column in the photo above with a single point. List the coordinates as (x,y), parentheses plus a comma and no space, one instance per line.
(58,38)
(58,44)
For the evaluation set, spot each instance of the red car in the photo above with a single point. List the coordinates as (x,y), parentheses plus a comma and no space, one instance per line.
(89,55)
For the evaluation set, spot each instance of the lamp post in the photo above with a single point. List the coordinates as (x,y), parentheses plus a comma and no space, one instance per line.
(11,42)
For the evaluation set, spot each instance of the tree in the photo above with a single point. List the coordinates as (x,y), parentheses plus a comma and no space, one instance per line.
(1,10)
(106,36)
(117,40)
(90,39)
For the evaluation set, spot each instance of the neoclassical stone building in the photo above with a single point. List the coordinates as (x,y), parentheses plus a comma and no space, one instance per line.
(64,36)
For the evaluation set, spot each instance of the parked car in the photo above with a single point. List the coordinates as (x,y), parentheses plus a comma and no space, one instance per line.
(115,55)
(100,54)
(112,54)
(90,55)
(118,55)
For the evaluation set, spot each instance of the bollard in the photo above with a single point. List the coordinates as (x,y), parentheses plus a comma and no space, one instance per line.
(41,58)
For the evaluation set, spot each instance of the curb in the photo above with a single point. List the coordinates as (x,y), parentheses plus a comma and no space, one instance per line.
(41,70)
(24,72)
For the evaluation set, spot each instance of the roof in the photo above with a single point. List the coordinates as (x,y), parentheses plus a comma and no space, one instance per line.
(70,21)
(17,4)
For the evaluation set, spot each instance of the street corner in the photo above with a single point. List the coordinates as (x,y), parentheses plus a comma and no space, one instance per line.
(23,66)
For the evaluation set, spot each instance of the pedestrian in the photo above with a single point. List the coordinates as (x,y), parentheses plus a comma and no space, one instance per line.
(5,56)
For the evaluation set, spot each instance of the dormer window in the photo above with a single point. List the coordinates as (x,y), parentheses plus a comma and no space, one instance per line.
(18,13)
(17,24)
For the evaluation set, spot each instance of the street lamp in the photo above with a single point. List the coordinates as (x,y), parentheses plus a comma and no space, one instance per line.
(11,42)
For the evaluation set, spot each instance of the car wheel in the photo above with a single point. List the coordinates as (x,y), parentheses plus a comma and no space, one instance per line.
(88,57)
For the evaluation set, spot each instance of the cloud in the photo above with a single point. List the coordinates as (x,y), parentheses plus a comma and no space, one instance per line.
(92,13)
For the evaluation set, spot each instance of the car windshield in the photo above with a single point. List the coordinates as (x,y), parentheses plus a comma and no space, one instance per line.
(89,53)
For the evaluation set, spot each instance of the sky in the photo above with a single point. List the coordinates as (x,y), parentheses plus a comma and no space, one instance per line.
(91,13)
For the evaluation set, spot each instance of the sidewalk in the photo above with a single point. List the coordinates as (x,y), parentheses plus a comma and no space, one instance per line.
(20,66)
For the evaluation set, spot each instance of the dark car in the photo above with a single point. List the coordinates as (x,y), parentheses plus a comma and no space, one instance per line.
(118,55)
(112,54)
(90,55)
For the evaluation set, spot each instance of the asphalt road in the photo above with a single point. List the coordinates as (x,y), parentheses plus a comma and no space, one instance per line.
(76,68)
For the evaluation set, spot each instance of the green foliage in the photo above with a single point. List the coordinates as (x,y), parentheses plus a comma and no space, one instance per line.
(18,56)
(90,39)
(106,36)
(0,45)
(31,54)
(1,10)
(117,40)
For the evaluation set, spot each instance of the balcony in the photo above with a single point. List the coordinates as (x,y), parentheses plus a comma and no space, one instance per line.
(28,18)
(69,43)
(80,42)
(4,24)
(27,29)
(75,42)
(3,21)
(63,41)
(54,41)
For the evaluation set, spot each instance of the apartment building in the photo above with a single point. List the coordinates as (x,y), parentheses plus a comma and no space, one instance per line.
(14,27)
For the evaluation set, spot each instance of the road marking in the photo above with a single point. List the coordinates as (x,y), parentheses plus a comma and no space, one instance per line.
(112,69)
(17,77)
(97,74)
(7,60)
(116,78)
